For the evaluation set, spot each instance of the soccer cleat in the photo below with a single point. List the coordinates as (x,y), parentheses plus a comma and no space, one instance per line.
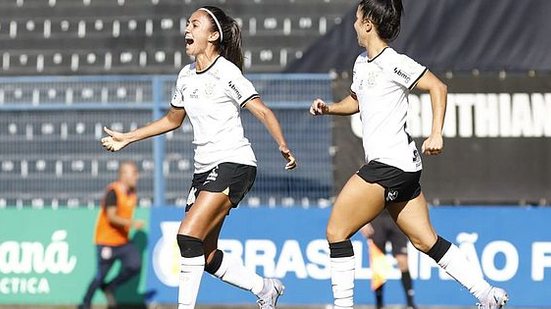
(495,299)
(269,301)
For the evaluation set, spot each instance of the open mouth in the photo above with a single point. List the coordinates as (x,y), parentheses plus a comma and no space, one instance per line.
(189,41)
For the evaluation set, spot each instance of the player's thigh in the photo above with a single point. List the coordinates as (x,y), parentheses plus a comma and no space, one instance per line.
(357,204)
(208,211)
(412,217)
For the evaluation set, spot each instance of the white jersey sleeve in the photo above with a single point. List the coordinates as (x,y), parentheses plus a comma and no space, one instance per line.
(354,87)
(178,91)
(406,71)
(240,88)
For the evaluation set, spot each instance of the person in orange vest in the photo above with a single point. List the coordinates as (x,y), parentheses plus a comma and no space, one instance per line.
(113,225)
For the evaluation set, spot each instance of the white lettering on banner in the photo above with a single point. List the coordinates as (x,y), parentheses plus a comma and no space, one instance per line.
(510,267)
(480,115)
(291,260)
(317,252)
(32,258)
(261,253)
(27,257)
(31,285)
(541,259)
(498,260)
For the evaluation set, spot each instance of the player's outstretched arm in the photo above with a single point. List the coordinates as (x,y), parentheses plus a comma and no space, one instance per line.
(438,91)
(347,106)
(116,141)
(267,117)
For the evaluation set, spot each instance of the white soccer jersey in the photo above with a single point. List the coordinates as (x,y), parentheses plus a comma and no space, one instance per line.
(213,99)
(382,85)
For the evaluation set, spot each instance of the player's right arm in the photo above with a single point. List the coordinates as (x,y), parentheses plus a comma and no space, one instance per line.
(118,140)
(347,106)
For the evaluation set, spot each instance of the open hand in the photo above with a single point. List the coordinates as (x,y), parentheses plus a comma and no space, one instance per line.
(115,141)
(291,161)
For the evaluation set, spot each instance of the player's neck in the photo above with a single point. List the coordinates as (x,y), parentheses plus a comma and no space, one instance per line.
(374,47)
(205,60)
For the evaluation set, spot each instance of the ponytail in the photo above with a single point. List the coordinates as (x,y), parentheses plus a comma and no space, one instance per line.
(230,46)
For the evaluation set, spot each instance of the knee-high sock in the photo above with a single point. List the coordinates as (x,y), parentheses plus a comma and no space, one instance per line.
(191,271)
(230,270)
(342,274)
(455,263)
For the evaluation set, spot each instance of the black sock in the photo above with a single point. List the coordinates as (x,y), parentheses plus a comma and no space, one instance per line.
(379,297)
(408,288)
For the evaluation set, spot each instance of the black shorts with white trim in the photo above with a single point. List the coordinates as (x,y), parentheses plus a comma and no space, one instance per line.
(399,186)
(232,179)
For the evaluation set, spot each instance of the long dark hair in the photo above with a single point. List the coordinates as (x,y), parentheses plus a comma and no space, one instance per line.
(385,14)
(230,46)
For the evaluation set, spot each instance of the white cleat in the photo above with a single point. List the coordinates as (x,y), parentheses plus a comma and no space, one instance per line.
(269,301)
(495,299)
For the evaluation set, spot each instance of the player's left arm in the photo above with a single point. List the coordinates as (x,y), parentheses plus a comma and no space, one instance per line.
(265,115)
(438,91)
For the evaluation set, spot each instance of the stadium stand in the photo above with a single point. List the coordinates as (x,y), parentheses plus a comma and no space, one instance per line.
(50,129)
(146,36)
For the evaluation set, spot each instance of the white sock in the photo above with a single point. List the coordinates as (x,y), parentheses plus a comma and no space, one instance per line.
(456,264)
(232,271)
(190,279)
(342,280)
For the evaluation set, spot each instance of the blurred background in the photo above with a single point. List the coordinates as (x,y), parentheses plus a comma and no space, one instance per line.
(70,67)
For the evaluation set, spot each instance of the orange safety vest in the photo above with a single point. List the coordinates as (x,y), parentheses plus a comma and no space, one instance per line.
(113,235)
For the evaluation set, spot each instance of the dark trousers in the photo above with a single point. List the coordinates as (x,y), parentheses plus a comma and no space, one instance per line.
(131,263)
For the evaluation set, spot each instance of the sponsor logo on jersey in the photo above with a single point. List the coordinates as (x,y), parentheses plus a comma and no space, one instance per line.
(194,94)
(234,88)
(403,75)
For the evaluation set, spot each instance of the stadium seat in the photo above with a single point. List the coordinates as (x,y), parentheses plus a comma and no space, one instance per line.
(129,37)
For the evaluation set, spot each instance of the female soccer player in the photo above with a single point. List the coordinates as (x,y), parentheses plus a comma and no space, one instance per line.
(381,82)
(212,91)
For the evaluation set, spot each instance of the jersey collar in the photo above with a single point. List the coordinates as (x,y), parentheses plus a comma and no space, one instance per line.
(208,68)
(377,56)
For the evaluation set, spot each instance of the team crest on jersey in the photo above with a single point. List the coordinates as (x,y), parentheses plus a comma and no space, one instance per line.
(372,79)
(209,89)
(194,94)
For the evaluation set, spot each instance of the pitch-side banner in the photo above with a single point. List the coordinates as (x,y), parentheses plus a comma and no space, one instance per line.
(47,257)
(511,246)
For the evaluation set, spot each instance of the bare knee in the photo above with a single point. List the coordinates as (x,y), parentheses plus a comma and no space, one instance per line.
(334,233)
(423,244)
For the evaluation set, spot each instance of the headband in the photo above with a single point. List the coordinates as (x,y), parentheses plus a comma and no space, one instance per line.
(215,21)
